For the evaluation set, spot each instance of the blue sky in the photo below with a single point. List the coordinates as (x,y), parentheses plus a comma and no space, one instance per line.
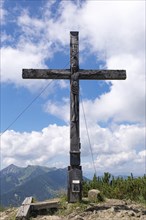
(35,34)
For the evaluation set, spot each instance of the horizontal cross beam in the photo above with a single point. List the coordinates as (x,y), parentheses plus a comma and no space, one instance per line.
(45,74)
(102,74)
(66,74)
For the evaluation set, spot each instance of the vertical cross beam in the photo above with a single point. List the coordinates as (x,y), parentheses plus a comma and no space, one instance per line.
(74,170)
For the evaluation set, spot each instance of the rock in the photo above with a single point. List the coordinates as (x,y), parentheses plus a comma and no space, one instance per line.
(138,215)
(131,213)
(94,212)
(78,217)
(94,195)
(72,215)
(49,218)
(112,209)
(78,209)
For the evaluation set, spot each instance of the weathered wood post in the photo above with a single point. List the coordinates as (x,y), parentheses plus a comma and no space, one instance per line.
(74,170)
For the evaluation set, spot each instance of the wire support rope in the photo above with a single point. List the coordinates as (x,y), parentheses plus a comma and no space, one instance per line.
(29,105)
(87,130)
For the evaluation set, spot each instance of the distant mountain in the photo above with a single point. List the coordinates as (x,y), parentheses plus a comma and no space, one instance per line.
(37,181)
(10,169)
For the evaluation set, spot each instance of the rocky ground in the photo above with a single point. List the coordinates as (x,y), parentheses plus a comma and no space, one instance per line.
(109,209)
(8,214)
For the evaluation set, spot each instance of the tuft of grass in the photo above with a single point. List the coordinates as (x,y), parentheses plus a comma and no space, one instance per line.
(13,216)
(68,208)
(142,200)
(2,209)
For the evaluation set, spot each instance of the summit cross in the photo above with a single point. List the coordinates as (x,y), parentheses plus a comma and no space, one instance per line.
(74,74)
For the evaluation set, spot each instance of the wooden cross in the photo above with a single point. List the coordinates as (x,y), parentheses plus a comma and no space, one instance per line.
(74,74)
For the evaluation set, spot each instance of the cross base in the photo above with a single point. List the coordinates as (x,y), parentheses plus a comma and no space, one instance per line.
(74,184)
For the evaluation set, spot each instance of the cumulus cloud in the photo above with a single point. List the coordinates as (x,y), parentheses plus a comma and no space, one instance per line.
(122,163)
(59,109)
(35,147)
(126,99)
(3,12)
(115,140)
(110,148)
(118,149)
(11,67)
(114,26)
(116,35)
(114,31)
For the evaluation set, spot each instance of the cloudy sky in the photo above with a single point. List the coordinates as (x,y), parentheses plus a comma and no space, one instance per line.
(35,113)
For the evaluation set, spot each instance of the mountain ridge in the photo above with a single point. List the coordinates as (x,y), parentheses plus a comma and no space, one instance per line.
(38,181)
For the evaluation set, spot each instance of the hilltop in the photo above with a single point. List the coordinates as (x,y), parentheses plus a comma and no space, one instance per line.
(110,209)
(123,198)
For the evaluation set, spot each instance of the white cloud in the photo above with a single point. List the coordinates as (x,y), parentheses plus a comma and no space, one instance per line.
(117,26)
(106,27)
(115,32)
(119,150)
(122,163)
(3,12)
(5,37)
(35,147)
(121,138)
(12,62)
(126,99)
(112,160)
(59,109)
(111,149)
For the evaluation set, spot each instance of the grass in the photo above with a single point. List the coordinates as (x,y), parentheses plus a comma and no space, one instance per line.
(2,209)
(78,207)
(12,216)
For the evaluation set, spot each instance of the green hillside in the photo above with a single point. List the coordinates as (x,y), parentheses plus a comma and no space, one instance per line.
(37,181)
(130,187)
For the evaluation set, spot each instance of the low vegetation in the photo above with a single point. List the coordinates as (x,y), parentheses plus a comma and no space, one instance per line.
(121,188)
(68,208)
(118,188)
